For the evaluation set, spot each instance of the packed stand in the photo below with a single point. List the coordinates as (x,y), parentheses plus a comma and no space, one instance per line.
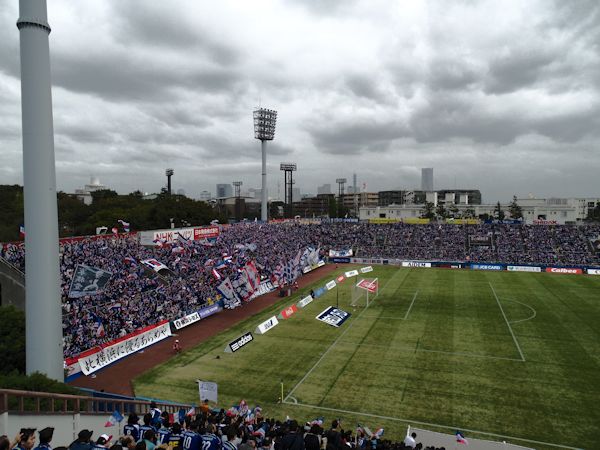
(238,428)
(136,297)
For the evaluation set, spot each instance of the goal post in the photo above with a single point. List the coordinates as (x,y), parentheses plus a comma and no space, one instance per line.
(367,288)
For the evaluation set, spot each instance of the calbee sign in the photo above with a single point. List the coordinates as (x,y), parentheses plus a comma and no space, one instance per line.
(563,270)
(238,343)
(266,325)
(415,264)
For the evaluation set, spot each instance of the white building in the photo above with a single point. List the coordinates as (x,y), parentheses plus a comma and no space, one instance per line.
(85,194)
(552,210)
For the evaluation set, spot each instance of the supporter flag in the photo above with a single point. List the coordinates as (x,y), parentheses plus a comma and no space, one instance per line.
(158,242)
(129,260)
(216,274)
(318,421)
(125,225)
(191,412)
(115,418)
(22,231)
(378,433)
(460,438)
(100,328)
(101,230)
(177,249)
(115,231)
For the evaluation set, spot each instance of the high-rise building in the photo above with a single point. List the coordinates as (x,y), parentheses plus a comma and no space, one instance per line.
(205,196)
(224,190)
(325,189)
(427,179)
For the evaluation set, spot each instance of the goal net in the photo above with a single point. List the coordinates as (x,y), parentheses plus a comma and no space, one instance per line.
(364,291)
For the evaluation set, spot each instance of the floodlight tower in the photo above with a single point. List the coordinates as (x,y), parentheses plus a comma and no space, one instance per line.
(169,173)
(288,169)
(264,129)
(43,322)
(341,182)
(238,203)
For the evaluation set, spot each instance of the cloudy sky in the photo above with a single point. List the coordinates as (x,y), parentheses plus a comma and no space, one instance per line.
(503,96)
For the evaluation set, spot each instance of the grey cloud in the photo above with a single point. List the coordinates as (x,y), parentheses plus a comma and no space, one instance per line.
(452,74)
(356,137)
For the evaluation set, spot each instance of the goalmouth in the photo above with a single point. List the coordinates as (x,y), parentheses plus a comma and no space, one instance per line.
(367,289)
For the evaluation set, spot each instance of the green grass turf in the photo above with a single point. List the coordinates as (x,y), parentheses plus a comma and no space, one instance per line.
(434,347)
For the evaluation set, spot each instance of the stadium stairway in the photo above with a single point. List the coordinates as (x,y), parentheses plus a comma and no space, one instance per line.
(12,285)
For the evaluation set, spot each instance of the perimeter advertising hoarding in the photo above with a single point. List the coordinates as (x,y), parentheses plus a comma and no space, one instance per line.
(305,301)
(333,316)
(523,269)
(266,325)
(486,267)
(351,273)
(415,264)
(186,320)
(330,285)
(205,233)
(593,271)
(288,312)
(366,269)
(563,270)
(238,343)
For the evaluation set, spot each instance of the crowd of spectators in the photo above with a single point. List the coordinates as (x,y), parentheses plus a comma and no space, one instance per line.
(136,297)
(238,428)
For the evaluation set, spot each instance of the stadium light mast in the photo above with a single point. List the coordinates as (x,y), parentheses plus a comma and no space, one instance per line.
(169,173)
(44,347)
(341,182)
(238,202)
(288,169)
(264,129)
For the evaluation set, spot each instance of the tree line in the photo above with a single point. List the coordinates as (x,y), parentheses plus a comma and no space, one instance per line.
(78,219)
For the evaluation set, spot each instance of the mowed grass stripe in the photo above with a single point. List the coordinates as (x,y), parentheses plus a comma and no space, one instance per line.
(552,397)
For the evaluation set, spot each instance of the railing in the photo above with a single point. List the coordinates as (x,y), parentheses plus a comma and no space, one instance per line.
(27,402)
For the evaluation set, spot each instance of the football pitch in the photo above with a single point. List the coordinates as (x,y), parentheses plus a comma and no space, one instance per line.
(498,355)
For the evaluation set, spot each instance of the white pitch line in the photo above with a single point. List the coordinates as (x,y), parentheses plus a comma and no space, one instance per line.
(409,421)
(334,343)
(412,350)
(411,305)
(507,323)
(526,305)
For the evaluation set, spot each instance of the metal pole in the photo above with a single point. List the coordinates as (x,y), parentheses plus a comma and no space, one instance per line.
(44,349)
(263,207)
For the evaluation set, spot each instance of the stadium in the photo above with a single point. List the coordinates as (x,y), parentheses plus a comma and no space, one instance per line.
(391,320)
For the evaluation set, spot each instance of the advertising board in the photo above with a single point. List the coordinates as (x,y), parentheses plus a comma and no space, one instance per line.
(486,267)
(415,264)
(186,320)
(563,270)
(523,269)
(238,343)
(266,325)
(333,316)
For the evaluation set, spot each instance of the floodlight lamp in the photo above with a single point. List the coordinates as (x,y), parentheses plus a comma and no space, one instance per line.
(289,167)
(264,124)
(169,172)
(340,180)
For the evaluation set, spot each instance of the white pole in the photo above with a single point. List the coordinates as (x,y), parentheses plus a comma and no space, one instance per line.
(44,349)
(263,208)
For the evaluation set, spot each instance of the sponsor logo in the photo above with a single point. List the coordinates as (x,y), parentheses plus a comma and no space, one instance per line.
(240,342)
(415,264)
(307,269)
(486,267)
(267,325)
(340,253)
(455,266)
(187,320)
(320,263)
(209,311)
(340,279)
(366,269)
(340,260)
(545,222)
(593,271)
(352,273)
(563,270)
(206,232)
(333,316)
(330,285)
(305,301)
(288,312)
(523,269)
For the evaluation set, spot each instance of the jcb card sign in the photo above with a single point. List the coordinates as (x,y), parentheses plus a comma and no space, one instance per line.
(238,343)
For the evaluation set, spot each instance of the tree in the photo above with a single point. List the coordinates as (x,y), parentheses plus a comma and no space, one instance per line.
(516,212)
(441,212)
(498,212)
(469,213)
(12,340)
(428,211)
(453,211)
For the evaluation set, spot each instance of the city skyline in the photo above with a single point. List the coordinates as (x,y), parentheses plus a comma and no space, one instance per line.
(498,97)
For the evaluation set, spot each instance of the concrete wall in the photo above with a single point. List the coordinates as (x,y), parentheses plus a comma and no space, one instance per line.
(66,426)
(12,286)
